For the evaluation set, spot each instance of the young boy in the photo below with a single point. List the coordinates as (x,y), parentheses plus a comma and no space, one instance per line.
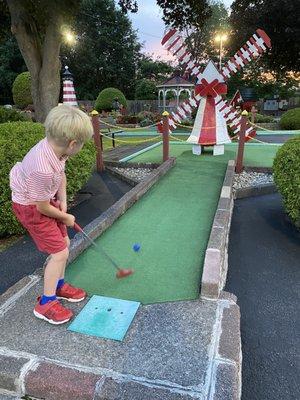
(38,185)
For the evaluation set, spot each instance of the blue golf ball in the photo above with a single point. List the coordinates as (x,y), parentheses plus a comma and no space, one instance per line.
(136,247)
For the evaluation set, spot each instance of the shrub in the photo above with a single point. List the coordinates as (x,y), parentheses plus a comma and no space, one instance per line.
(11,115)
(106,97)
(21,90)
(286,170)
(127,119)
(145,115)
(16,139)
(187,122)
(261,118)
(146,122)
(291,119)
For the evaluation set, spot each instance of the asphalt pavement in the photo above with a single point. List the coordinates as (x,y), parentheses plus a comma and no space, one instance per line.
(264,273)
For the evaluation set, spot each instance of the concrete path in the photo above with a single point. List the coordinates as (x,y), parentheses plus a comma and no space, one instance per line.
(264,260)
(173,351)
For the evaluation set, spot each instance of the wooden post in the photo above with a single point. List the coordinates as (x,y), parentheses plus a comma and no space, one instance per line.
(166,129)
(97,140)
(240,156)
(113,139)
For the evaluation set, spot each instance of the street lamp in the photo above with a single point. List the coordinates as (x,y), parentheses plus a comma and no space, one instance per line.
(221,38)
(69,37)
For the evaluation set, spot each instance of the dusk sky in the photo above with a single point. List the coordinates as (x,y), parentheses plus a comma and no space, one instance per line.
(150,27)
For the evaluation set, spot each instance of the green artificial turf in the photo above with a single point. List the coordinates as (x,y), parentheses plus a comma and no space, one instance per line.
(255,155)
(172,223)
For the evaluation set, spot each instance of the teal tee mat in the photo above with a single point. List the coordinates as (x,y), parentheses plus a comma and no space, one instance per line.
(172,222)
(105,317)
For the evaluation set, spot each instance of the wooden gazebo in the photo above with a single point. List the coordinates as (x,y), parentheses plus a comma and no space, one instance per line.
(177,85)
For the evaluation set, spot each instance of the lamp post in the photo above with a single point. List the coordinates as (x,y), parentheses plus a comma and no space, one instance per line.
(222,37)
(69,37)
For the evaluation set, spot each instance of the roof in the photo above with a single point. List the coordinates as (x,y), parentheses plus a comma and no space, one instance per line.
(248,94)
(176,81)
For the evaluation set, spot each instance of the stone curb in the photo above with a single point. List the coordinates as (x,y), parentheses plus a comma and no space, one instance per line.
(230,338)
(50,381)
(227,363)
(42,379)
(216,255)
(10,372)
(100,224)
(258,190)
(227,382)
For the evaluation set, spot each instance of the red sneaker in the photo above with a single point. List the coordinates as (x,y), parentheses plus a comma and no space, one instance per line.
(52,312)
(70,293)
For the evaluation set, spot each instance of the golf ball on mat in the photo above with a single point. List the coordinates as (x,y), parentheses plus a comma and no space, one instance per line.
(136,247)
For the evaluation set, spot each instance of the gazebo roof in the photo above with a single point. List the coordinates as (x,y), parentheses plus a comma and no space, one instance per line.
(176,81)
(248,94)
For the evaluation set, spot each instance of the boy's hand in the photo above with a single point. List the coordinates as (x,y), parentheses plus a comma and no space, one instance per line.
(69,220)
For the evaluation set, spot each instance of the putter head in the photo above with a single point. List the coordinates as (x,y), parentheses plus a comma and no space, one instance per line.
(122,273)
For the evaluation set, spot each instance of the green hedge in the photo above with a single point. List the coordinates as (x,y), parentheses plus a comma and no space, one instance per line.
(261,118)
(291,119)
(286,170)
(21,90)
(11,115)
(106,97)
(16,139)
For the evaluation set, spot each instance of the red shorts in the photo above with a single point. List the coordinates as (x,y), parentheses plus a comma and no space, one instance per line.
(47,233)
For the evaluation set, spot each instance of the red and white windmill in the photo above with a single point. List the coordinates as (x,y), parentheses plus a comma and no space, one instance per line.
(214,113)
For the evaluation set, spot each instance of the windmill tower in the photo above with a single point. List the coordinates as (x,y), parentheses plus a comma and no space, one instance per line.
(214,113)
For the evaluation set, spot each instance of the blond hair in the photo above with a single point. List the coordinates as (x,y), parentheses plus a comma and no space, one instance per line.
(65,123)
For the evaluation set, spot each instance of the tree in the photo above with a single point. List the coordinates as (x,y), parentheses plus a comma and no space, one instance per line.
(107,51)
(11,64)
(157,70)
(184,14)
(201,41)
(265,84)
(280,20)
(38,27)
(177,13)
(146,90)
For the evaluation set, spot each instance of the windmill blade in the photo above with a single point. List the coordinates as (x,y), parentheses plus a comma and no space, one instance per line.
(174,43)
(181,113)
(233,118)
(256,45)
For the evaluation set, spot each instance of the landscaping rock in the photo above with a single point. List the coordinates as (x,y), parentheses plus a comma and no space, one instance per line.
(249,179)
(137,174)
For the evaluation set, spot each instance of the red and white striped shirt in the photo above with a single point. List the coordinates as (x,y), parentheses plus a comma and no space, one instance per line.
(38,176)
